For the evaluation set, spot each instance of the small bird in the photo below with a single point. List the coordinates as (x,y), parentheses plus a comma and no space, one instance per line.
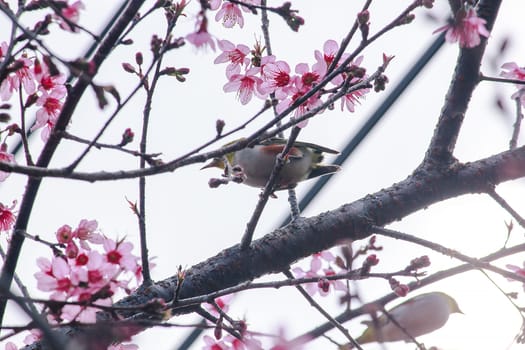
(255,164)
(419,315)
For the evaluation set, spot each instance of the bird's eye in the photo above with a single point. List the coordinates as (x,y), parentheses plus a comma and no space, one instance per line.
(237,169)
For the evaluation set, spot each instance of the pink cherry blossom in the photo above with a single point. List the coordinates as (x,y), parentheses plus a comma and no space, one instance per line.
(324,60)
(335,284)
(277,79)
(25,75)
(119,253)
(351,99)
(318,258)
(201,38)
(236,55)
(7,217)
(519,271)
(246,85)
(3,49)
(223,303)
(212,344)
(247,343)
(54,277)
(71,250)
(214,4)
(47,116)
(72,13)
(515,72)
(10,346)
(34,335)
(5,157)
(317,270)
(87,232)
(311,288)
(296,93)
(47,82)
(230,15)
(466,28)
(83,314)
(308,78)
(8,86)
(52,92)
(64,234)
(302,83)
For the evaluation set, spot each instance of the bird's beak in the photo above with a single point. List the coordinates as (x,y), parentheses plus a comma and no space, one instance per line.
(215,163)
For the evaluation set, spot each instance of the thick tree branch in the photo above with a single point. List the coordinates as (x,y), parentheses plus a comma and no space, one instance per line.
(464,80)
(277,250)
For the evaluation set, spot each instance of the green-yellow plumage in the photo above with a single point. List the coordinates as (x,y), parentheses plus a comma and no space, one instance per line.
(419,315)
(257,162)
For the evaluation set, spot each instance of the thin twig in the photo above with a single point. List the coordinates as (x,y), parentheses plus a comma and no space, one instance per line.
(477,263)
(23,137)
(323,312)
(350,275)
(346,40)
(265,26)
(210,318)
(503,203)
(149,157)
(501,80)
(517,124)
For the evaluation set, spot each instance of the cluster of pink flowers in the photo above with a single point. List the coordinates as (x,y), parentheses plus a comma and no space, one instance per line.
(513,71)
(85,275)
(321,266)
(264,75)
(261,75)
(230,14)
(7,217)
(466,28)
(36,80)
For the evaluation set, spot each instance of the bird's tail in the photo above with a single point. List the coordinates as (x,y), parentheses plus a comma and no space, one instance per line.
(321,170)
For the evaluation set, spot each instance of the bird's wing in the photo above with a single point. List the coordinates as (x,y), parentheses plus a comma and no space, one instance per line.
(280,141)
(275,149)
